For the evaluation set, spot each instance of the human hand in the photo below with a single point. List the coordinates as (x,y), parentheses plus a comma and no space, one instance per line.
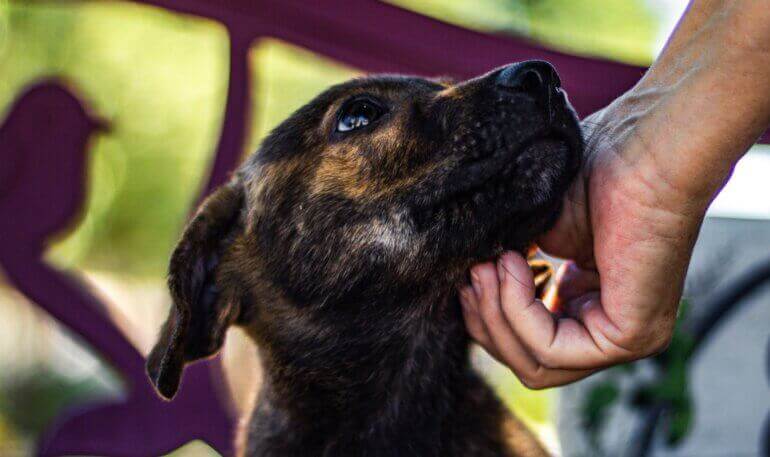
(629,232)
(655,158)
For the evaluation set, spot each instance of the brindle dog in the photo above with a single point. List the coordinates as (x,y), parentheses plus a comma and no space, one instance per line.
(338,246)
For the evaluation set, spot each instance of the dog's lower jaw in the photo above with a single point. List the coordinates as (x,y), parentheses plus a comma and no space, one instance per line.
(418,396)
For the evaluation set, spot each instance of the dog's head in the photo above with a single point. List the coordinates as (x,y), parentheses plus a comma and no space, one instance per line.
(379,188)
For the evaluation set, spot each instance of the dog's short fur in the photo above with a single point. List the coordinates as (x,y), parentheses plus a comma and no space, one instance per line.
(339,252)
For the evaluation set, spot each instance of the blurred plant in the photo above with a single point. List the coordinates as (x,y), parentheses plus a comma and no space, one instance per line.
(667,395)
(163,103)
(31,400)
(596,407)
(625,30)
(669,387)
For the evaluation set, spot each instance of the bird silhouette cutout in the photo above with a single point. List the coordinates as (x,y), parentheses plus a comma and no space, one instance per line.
(43,157)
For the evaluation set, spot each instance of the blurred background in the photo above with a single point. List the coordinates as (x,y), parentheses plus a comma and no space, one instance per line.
(160,79)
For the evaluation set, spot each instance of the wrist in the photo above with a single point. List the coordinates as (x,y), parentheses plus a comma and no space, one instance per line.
(660,135)
(700,106)
(697,122)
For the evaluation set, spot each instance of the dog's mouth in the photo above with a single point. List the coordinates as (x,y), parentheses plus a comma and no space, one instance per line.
(519,179)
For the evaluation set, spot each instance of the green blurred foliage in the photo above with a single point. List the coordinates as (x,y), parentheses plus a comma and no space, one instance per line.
(164,103)
(159,79)
(595,408)
(623,30)
(670,387)
(31,400)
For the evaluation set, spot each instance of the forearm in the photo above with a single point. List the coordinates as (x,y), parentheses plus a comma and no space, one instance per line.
(707,98)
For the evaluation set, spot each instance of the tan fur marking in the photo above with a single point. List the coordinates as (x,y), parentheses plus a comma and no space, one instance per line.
(340,172)
(343,167)
(452,93)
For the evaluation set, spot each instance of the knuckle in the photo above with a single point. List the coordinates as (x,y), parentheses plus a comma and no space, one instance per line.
(488,311)
(660,343)
(533,382)
(646,342)
(636,340)
(543,357)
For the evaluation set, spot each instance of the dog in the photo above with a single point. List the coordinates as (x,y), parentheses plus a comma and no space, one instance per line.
(338,247)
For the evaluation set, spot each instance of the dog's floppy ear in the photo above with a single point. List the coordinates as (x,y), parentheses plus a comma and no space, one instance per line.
(200,313)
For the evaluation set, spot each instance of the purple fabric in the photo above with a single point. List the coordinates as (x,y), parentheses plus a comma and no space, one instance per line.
(42,176)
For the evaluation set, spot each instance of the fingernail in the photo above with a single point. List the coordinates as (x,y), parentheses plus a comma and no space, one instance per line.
(476,282)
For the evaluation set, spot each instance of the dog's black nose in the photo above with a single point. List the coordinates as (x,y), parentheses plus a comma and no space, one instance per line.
(535,77)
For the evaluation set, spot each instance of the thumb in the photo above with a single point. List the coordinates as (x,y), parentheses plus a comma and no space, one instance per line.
(571,236)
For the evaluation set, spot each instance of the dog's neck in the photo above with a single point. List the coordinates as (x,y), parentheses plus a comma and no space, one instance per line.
(400,379)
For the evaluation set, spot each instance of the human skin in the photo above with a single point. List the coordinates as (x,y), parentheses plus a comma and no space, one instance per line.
(655,159)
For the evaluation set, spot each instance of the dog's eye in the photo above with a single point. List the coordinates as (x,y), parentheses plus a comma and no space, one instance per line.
(357,114)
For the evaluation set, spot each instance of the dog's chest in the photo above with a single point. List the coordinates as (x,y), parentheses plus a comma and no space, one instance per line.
(418,398)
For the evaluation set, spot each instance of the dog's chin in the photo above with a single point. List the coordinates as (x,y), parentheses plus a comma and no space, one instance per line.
(521,183)
(542,171)
(506,202)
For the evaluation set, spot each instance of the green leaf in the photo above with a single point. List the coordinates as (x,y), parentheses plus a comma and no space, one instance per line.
(679,422)
(596,407)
